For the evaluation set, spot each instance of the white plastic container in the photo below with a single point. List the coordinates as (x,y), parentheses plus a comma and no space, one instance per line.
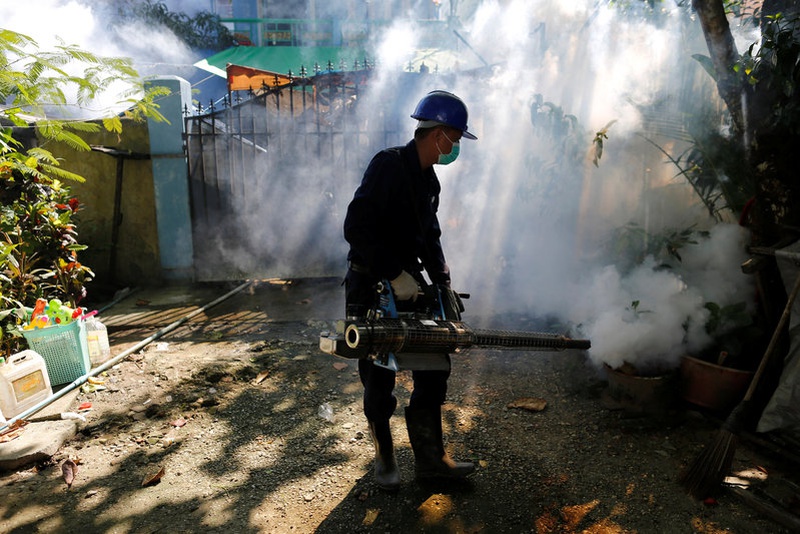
(23,383)
(97,341)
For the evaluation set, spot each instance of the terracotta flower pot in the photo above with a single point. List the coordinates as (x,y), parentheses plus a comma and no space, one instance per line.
(641,394)
(712,386)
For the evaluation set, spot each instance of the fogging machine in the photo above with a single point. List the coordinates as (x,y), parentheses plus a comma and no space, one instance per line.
(423,336)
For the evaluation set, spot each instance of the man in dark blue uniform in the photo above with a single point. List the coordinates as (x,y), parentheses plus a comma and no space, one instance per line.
(394,234)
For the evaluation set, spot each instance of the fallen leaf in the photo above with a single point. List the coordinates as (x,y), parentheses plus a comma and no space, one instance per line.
(435,509)
(370,516)
(13,431)
(69,470)
(91,388)
(154,478)
(340,366)
(11,435)
(533,404)
(85,406)
(177,423)
(142,302)
(559,478)
(261,376)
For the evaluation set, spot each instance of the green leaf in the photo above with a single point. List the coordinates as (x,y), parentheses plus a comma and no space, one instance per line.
(707,65)
(113,124)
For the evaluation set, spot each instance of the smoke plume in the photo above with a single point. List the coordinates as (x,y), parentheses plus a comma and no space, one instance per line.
(530,210)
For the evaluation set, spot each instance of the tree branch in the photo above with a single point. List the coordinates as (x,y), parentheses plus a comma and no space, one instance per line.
(722,49)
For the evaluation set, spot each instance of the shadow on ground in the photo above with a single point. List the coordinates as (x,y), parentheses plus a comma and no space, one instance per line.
(228,405)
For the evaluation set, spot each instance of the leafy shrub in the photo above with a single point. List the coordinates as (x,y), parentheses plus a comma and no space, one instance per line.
(38,248)
(38,237)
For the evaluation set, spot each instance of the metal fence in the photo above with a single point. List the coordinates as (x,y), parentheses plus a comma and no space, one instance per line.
(271,173)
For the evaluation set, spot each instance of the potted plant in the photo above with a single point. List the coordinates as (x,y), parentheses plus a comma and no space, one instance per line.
(717,377)
(664,296)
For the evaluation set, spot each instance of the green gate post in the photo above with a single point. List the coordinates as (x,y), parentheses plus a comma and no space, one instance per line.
(170,181)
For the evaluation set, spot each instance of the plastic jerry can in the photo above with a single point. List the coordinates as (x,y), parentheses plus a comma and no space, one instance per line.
(23,383)
(97,341)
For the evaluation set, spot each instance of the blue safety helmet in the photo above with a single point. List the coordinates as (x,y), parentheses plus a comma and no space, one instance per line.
(445,108)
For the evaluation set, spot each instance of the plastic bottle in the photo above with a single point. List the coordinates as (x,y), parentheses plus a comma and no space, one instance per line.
(97,341)
(326,412)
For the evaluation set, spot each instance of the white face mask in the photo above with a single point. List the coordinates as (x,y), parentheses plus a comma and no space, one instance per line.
(446,159)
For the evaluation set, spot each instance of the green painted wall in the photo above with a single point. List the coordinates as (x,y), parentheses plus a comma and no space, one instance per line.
(137,262)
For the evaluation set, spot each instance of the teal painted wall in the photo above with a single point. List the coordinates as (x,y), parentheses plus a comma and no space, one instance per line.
(170,182)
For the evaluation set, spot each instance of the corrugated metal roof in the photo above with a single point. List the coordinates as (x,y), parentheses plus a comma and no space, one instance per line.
(282,59)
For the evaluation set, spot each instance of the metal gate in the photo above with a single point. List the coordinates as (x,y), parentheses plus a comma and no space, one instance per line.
(270,176)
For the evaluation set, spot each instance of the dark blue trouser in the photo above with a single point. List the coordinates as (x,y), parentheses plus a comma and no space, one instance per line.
(430,387)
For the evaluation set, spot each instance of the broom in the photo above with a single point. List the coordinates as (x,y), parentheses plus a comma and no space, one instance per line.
(704,476)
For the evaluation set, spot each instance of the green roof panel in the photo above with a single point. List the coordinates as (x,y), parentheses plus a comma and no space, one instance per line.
(282,59)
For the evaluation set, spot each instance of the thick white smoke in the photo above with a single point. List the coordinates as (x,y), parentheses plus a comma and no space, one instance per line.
(526,221)
(527,216)
(651,316)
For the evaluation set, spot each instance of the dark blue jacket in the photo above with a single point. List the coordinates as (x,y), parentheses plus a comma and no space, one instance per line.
(391,223)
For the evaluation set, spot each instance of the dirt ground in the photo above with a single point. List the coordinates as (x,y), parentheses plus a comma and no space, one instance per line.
(222,417)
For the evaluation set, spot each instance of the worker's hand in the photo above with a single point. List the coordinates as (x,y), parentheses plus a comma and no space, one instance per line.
(405,287)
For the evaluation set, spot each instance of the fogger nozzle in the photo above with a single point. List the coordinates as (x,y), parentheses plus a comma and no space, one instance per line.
(352,336)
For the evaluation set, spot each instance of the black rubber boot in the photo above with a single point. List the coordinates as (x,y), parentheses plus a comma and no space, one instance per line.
(387,476)
(425,433)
